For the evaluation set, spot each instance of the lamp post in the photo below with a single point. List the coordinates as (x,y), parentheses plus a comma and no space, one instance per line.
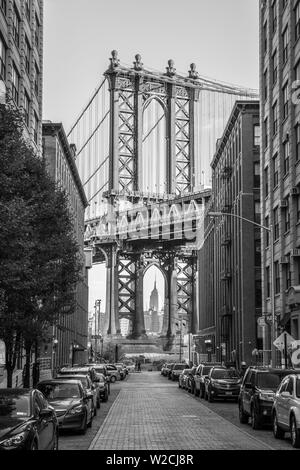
(271,232)
(97,321)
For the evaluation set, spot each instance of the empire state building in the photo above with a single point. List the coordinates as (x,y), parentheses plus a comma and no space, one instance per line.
(154,299)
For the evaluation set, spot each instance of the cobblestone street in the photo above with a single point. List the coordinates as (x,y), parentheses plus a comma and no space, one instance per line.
(148,412)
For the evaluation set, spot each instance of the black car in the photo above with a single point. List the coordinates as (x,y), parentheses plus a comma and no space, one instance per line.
(201,374)
(27,421)
(191,380)
(83,370)
(222,383)
(103,385)
(70,401)
(257,394)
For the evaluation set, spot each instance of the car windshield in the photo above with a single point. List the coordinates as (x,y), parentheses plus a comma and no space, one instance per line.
(56,391)
(83,380)
(268,380)
(224,374)
(298,388)
(14,406)
(180,366)
(99,370)
(100,377)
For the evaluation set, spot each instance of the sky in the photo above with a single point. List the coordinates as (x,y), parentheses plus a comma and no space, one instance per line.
(220,36)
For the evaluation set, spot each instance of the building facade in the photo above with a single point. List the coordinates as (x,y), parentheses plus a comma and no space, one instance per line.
(280,161)
(69,339)
(21,61)
(229,267)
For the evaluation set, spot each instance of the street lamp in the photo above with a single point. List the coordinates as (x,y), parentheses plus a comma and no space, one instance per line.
(271,232)
(97,321)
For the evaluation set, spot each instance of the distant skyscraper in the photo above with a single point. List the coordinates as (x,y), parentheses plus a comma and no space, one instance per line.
(154,298)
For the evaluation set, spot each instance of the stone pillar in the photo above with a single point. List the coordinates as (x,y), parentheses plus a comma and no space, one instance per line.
(173,306)
(139,323)
(171,153)
(112,323)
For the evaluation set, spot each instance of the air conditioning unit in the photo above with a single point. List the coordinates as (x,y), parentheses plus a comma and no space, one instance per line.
(295,252)
(295,191)
(283,203)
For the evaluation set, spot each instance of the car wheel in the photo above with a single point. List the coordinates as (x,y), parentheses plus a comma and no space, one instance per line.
(277,431)
(55,444)
(210,397)
(295,433)
(84,426)
(255,421)
(113,379)
(242,415)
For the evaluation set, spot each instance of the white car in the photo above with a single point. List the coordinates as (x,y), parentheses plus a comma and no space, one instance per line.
(286,409)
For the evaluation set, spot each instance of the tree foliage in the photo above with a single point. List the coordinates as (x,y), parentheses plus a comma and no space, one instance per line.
(39,257)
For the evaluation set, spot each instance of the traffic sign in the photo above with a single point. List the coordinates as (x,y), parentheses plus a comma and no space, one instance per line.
(279,342)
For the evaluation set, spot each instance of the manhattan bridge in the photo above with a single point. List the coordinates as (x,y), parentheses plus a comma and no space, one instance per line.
(144,144)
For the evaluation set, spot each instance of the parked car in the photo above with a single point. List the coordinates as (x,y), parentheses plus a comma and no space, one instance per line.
(168,368)
(222,383)
(130,366)
(190,386)
(257,394)
(113,372)
(121,370)
(176,370)
(102,369)
(124,368)
(201,373)
(27,421)
(103,384)
(286,409)
(88,386)
(183,377)
(83,370)
(70,401)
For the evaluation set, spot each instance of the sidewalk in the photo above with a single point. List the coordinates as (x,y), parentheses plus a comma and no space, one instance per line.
(151,413)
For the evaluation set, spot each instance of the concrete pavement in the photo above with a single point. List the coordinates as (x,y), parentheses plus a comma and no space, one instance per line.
(151,413)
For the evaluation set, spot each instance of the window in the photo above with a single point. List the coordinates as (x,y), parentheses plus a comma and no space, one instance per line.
(285,101)
(36,128)
(297,136)
(27,9)
(276,223)
(274,16)
(275,117)
(266,133)
(36,80)
(297,21)
(268,281)
(266,181)
(27,50)
(267,221)
(285,44)
(288,276)
(3,6)
(257,245)
(274,67)
(26,108)
(277,277)
(37,31)
(286,157)
(257,135)
(2,60)
(265,37)
(258,293)
(257,212)
(287,216)
(256,175)
(275,170)
(15,84)
(266,84)
(16,26)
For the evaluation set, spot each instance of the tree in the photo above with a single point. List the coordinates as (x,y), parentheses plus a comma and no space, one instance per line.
(40,263)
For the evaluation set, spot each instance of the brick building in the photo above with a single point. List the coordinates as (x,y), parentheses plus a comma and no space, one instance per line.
(21,60)
(229,260)
(280,160)
(69,339)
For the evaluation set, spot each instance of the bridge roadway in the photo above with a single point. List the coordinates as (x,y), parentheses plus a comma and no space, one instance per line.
(152,413)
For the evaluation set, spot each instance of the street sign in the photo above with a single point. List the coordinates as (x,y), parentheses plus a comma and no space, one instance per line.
(279,342)
(261,321)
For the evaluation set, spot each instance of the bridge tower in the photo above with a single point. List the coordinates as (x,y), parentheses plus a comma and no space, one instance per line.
(132,91)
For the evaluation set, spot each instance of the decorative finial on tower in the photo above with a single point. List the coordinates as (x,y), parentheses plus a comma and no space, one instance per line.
(171,71)
(193,73)
(114,61)
(138,64)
